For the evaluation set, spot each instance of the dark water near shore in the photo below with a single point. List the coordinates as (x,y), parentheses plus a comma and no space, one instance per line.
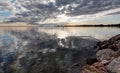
(49,50)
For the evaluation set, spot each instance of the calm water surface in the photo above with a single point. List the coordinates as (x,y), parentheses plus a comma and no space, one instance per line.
(96,32)
(49,50)
(101,33)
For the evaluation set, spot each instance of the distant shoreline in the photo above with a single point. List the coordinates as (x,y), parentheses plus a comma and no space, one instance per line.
(22,24)
(64,26)
(113,25)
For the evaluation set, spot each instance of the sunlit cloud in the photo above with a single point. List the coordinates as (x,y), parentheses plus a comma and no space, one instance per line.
(59,11)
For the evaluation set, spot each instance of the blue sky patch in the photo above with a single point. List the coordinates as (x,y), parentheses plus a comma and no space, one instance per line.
(4,14)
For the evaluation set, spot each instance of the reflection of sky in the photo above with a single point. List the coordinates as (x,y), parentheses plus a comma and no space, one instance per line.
(95,32)
(6,54)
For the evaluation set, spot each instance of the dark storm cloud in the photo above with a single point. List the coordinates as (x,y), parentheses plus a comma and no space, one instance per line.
(35,10)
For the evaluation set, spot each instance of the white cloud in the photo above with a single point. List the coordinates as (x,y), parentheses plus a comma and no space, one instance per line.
(5,5)
(73,10)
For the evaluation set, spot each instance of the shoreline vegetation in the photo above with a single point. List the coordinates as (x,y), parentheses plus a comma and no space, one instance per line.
(96,25)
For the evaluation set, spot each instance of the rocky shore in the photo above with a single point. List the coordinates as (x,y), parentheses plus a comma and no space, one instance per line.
(107,58)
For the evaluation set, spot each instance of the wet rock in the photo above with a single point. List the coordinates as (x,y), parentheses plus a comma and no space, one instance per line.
(104,54)
(114,65)
(94,68)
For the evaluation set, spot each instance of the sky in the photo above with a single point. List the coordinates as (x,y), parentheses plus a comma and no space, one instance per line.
(61,11)
(4,15)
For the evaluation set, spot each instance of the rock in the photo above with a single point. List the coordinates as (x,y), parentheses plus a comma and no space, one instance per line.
(118,70)
(116,54)
(118,45)
(115,38)
(108,55)
(113,43)
(95,68)
(103,45)
(114,47)
(104,54)
(90,61)
(114,65)
(104,62)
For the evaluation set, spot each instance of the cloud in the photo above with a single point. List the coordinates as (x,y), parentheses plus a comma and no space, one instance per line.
(41,10)
(5,5)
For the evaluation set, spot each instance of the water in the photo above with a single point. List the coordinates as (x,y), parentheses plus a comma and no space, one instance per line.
(49,50)
(101,33)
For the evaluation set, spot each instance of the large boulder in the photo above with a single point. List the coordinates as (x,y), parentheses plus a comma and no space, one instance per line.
(104,54)
(114,65)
